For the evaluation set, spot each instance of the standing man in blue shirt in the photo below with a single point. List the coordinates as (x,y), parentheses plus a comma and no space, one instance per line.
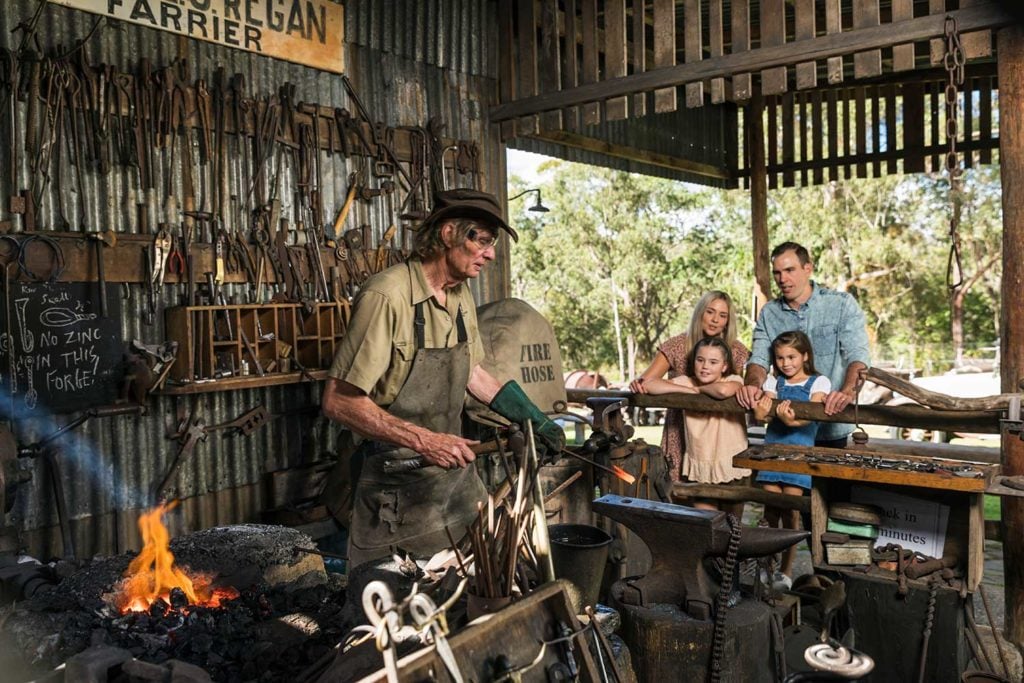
(835,324)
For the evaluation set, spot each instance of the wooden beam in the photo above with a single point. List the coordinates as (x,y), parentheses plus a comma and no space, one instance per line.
(570,64)
(588,26)
(833,27)
(937,46)
(716,29)
(1011,161)
(978,44)
(876,129)
(985,117)
(549,61)
(865,15)
(832,114)
(891,135)
(913,128)
(903,54)
(806,72)
(861,125)
(639,52)
(758,202)
(989,15)
(693,49)
(742,83)
(506,64)
(773,34)
(968,421)
(664,52)
(617,108)
(788,130)
(633,154)
(817,136)
(527,61)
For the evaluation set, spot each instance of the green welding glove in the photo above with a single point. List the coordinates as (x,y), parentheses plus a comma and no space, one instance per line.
(512,403)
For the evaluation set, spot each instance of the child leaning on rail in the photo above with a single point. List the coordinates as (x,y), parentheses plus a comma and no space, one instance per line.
(712,439)
(795,380)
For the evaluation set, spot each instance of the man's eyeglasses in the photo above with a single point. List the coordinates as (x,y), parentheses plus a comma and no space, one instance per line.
(484,240)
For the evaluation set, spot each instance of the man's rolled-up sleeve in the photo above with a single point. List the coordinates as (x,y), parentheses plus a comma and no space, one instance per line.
(364,354)
(853,335)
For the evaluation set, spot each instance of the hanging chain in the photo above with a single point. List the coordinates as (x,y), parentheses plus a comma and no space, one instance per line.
(954,64)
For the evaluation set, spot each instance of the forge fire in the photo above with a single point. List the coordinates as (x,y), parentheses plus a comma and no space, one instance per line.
(153,576)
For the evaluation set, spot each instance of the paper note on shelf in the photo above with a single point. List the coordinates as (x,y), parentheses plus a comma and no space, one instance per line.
(914,523)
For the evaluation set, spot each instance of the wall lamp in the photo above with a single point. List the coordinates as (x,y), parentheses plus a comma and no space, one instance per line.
(538,207)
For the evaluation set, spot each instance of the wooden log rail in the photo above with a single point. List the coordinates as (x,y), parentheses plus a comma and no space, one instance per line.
(974,421)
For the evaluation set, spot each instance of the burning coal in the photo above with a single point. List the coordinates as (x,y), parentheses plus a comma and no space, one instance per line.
(153,576)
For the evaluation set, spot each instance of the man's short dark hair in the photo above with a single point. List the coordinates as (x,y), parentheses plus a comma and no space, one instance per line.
(801,252)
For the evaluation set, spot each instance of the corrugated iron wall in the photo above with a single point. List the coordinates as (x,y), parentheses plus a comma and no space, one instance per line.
(410,62)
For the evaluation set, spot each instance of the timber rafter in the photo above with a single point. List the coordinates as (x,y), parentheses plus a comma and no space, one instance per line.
(851,87)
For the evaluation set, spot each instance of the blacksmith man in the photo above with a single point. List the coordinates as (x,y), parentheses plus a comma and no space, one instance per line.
(399,380)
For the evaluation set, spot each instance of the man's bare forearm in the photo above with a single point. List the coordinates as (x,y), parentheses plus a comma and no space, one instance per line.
(347,405)
(852,377)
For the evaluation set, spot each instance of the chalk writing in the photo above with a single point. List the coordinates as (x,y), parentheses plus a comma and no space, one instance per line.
(59,354)
(62,317)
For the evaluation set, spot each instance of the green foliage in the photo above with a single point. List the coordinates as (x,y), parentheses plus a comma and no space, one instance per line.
(645,249)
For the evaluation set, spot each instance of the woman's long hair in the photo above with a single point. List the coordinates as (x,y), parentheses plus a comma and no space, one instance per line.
(696,330)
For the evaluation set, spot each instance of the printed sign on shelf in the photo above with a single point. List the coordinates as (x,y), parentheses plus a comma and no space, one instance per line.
(307,32)
(914,523)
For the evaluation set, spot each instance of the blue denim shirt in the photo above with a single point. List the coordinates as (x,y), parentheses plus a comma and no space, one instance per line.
(838,332)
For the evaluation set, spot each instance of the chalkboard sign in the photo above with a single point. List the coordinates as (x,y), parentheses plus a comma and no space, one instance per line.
(57,352)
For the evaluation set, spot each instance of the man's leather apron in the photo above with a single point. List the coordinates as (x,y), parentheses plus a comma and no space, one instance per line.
(411,509)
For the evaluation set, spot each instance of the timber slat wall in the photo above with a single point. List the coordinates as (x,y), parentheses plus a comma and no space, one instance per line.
(872,130)
(567,63)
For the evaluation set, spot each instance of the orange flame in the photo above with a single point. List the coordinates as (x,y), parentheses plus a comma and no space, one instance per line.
(623,474)
(153,573)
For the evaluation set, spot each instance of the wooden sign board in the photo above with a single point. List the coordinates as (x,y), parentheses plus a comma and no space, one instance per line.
(307,32)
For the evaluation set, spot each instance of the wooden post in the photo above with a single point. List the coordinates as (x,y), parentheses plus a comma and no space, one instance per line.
(759,201)
(1011,162)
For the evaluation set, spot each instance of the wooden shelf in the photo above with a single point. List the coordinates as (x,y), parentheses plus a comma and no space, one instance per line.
(832,481)
(214,340)
(234,383)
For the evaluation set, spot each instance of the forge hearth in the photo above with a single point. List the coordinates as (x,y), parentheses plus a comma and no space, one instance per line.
(287,615)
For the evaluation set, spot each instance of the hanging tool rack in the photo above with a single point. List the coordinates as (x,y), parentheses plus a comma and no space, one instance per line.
(224,199)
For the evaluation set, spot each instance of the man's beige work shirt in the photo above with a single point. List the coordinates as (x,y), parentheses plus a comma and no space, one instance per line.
(378,348)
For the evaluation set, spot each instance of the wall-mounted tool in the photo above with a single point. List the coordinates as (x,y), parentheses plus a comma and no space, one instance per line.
(106,238)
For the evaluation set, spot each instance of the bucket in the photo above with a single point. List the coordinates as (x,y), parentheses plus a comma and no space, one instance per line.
(579,553)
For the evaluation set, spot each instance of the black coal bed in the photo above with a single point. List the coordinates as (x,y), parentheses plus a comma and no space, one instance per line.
(286,616)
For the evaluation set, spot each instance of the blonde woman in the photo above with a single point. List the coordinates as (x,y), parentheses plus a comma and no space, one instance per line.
(714,316)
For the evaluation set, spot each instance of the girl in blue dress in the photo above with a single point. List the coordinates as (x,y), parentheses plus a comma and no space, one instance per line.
(795,379)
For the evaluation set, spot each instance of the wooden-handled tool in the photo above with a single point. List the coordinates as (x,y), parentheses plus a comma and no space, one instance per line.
(419,462)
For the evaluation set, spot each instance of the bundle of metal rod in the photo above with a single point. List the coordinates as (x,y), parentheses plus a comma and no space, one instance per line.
(503,553)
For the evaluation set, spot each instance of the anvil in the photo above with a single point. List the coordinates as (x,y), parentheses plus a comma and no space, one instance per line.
(680,538)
